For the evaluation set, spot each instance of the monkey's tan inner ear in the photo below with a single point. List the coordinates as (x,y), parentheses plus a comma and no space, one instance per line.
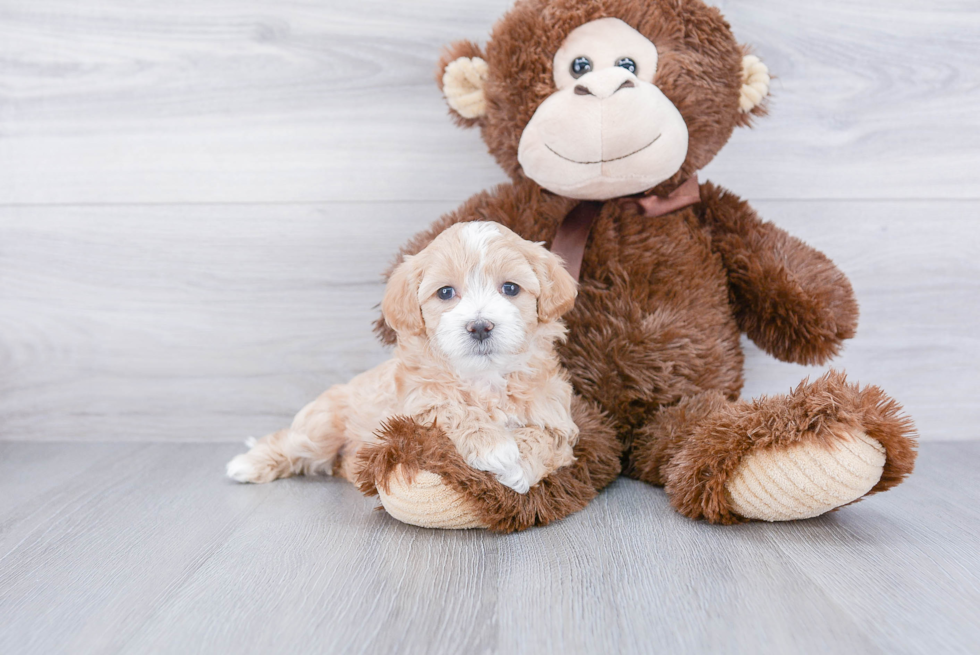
(462,84)
(755,83)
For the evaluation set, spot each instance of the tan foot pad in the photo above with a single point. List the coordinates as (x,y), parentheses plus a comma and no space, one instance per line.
(427,502)
(806,479)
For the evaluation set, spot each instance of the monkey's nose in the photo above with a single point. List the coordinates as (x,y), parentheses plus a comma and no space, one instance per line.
(605,83)
(479,329)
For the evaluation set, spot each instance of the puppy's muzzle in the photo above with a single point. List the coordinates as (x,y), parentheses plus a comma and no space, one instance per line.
(480,329)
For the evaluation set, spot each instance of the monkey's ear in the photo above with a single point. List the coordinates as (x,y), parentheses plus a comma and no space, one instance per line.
(755,88)
(461,76)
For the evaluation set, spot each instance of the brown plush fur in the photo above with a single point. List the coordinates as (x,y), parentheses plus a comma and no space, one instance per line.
(693,448)
(419,447)
(788,298)
(654,335)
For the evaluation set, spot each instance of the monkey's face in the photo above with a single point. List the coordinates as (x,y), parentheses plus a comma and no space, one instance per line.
(608,130)
(606,98)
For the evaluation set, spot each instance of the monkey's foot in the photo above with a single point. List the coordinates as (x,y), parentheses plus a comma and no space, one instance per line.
(806,479)
(824,445)
(422,479)
(428,502)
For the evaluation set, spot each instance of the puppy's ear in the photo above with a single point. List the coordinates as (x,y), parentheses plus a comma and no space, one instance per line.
(400,305)
(461,76)
(558,288)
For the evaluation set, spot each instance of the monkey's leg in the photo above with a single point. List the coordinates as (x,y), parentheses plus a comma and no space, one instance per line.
(422,480)
(824,445)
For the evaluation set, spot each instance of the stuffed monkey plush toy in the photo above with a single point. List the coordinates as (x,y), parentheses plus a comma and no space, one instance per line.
(603,112)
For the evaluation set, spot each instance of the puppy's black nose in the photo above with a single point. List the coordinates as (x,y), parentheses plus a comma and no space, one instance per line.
(480,329)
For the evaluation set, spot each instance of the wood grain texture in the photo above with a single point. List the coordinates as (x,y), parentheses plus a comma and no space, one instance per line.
(170,322)
(199,323)
(146,548)
(260,101)
(197,199)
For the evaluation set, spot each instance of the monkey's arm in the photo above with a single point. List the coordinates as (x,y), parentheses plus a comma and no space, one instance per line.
(789,298)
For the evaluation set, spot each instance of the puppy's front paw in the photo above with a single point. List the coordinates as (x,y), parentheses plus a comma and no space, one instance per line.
(504,461)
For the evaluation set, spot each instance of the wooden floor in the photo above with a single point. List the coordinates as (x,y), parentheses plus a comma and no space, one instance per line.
(145,548)
(197,200)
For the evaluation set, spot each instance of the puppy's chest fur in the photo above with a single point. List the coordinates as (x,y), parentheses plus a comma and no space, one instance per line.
(484,419)
(505,405)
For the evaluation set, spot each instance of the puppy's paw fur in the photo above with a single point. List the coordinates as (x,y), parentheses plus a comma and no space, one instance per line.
(504,461)
(248,467)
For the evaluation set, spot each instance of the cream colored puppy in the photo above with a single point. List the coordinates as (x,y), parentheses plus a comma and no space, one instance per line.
(477,315)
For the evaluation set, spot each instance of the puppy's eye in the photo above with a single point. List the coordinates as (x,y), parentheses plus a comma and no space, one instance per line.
(446,293)
(510,289)
(580,66)
(628,64)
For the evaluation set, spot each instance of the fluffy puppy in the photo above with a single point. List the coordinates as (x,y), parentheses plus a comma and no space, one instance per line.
(477,314)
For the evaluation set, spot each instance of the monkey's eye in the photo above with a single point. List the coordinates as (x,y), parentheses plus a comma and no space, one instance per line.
(628,64)
(446,293)
(510,289)
(581,66)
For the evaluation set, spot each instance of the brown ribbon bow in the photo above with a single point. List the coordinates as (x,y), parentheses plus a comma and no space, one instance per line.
(573,233)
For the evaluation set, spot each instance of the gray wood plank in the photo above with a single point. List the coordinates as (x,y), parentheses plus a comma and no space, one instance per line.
(260,101)
(640,578)
(38,483)
(121,538)
(153,551)
(197,323)
(913,557)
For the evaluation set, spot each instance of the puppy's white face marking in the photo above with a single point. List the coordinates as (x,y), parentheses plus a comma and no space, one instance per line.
(478,235)
(481,300)
(476,263)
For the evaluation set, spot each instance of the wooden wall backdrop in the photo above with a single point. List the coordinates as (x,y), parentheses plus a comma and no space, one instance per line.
(197,197)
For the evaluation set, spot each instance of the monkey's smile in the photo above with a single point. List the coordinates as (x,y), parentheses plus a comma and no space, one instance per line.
(604,161)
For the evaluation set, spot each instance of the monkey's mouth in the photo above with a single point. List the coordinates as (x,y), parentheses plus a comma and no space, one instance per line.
(604,161)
